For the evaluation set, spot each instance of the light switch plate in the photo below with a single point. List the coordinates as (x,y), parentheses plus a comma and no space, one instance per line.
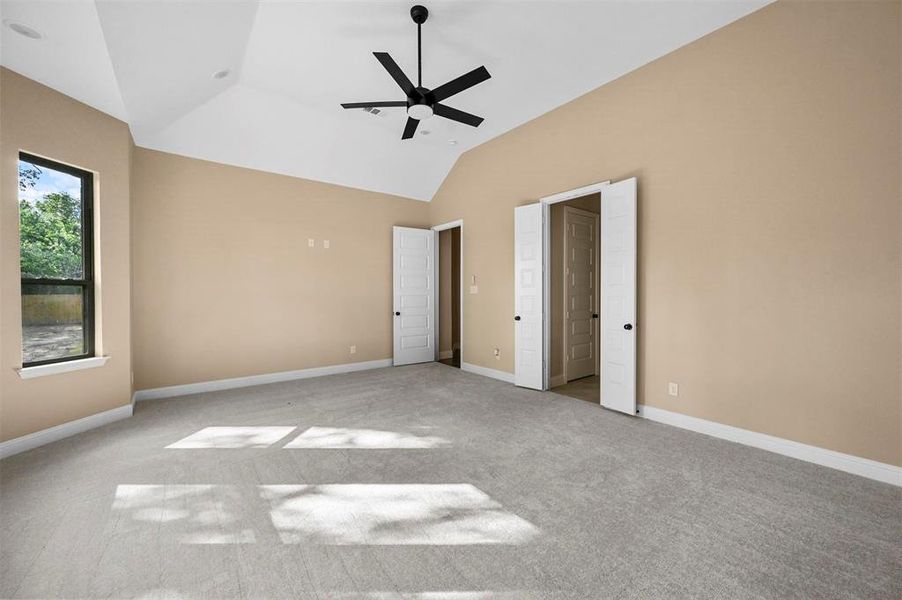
(311,242)
(326,244)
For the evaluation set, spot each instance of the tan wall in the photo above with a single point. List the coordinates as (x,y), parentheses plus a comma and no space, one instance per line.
(226,286)
(589,203)
(768,159)
(41,121)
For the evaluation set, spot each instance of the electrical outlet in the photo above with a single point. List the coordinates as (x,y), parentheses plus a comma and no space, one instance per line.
(474,289)
(311,243)
(353,349)
(673,389)
(326,244)
(497,353)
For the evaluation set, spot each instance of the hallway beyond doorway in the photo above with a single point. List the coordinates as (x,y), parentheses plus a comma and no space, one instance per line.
(586,389)
(449,300)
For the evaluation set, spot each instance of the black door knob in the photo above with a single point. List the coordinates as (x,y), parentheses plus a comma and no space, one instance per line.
(594,316)
(627,326)
(517,318)
(397,314)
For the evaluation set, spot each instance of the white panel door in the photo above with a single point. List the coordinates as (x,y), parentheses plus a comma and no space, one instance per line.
(581,243)
(618,296)
(414,295)
(529,296)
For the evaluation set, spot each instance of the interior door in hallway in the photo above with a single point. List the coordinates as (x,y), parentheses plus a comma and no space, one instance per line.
(618,296)
(580,271)
(413,276)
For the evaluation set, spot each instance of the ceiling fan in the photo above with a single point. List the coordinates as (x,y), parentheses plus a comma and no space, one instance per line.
(421,102)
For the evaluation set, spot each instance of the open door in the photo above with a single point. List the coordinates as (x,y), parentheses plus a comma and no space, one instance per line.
(618,296)
(581,293)
(413,277)
(529,297)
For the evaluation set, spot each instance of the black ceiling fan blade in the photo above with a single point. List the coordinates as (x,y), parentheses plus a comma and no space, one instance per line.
(410,128)
(458,85)
(395,71)
(373,104)
(457,115)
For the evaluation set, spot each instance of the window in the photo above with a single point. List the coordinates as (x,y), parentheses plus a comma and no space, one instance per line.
(56,258)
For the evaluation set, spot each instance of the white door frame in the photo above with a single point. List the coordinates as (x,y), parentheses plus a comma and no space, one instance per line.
(547,201)
(597,217)
(443,227)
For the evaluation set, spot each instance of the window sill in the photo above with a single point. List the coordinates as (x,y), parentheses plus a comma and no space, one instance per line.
(62,367)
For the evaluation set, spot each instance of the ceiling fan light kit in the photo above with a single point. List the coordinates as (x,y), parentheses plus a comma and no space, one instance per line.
(422,103)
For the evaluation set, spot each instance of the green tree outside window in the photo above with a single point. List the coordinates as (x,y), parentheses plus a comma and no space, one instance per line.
(50,231)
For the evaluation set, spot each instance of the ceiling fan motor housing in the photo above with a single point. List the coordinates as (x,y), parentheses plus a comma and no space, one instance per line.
(419,106)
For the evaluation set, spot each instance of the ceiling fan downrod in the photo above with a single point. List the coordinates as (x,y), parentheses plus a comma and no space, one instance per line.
(419,14)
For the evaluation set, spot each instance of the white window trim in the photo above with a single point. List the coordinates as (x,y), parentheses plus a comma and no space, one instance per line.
(62,367)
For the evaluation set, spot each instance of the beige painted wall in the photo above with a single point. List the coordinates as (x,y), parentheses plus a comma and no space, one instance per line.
(39,120)
(768,158)
(590,203)
(226,286)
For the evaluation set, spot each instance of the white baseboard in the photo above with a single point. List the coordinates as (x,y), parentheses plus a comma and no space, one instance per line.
(443,354)
(557,381)
(486,372)
(828,458)
(53,434)
(240,382)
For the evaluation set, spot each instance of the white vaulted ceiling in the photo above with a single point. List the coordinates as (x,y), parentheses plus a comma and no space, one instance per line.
(292,63)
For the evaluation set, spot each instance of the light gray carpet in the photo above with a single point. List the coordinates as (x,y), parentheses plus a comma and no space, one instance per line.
(431,483)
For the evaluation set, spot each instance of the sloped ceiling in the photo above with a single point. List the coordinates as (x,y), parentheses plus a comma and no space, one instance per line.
(292,63)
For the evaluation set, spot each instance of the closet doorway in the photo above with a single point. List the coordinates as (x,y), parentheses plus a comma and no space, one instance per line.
(615,252)
(574,275)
